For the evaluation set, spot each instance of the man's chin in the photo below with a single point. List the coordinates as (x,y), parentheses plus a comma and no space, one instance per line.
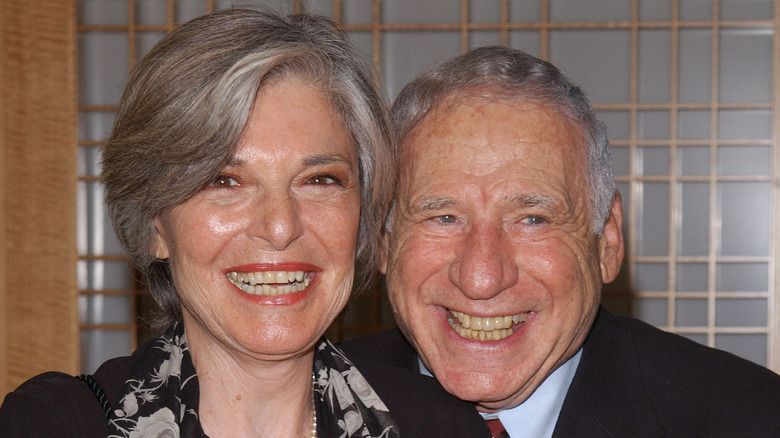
(490,391)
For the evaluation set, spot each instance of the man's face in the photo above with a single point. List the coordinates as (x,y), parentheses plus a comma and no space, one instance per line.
(494,270)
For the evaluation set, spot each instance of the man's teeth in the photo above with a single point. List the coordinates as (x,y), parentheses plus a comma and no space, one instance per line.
(269,282)
(491,328)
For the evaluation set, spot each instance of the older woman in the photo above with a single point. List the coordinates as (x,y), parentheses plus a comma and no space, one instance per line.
(247,175)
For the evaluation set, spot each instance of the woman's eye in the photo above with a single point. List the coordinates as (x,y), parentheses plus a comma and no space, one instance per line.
(534,220)
(324,180)
(223,181)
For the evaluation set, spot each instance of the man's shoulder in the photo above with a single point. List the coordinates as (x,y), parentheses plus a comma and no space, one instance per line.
(389,348)
(674,356)
(418,403)
(661,382)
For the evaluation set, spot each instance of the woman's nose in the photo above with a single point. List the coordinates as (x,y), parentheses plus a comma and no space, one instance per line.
(485,265)
(276,220)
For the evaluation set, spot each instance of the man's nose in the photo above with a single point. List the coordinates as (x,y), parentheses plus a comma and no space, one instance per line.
(276,220)
(485,265)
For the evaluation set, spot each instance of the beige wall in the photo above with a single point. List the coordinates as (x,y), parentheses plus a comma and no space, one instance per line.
(38,315)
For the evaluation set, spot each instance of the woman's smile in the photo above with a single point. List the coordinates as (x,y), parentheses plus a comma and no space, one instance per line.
(275,284)
(270,282)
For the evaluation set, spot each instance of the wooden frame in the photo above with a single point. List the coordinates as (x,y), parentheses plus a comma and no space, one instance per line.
(38,119)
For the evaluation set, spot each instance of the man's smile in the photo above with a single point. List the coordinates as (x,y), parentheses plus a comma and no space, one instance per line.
(491,328)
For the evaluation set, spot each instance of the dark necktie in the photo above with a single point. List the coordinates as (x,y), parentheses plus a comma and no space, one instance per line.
(497,429)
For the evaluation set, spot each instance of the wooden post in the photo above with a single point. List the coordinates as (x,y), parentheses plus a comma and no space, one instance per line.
(38,146)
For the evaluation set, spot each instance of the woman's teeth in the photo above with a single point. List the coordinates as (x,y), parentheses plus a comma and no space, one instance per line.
(269,282)
(492,328)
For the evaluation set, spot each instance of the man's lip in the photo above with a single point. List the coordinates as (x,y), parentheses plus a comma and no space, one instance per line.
(490,328)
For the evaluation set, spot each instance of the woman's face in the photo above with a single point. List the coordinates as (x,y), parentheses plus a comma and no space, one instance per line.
(263,258)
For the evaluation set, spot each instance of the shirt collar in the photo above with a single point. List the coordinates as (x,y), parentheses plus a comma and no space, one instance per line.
(537,415)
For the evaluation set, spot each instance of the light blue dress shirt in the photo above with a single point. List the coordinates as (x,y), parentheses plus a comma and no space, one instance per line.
(537,415)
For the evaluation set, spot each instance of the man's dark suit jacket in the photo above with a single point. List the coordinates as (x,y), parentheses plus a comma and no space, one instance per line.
(633,381)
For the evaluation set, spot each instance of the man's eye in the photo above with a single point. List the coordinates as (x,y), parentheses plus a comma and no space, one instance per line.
(324,180)
(534,220)
(223,181)
(446,219)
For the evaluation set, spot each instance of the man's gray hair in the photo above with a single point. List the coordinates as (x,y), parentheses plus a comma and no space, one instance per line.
(513,75)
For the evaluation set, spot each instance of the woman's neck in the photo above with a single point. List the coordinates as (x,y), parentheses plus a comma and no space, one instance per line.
(243,396)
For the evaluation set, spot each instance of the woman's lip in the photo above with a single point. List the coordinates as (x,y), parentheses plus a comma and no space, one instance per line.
(283,266)
(245,280)
(276,300)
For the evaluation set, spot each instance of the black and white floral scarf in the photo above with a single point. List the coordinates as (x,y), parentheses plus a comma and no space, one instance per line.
(161,396)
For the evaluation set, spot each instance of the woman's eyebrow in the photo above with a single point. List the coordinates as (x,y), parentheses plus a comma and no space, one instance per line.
(313,160)
(235,161)
(321,159)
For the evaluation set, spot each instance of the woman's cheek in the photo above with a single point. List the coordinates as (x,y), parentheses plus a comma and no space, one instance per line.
(224,223)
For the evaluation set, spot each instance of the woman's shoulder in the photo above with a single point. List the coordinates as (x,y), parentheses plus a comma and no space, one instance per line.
(56,404)
(52,404)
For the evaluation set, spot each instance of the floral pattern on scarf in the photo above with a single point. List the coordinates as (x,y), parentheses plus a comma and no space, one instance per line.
(354,408)
(161,396)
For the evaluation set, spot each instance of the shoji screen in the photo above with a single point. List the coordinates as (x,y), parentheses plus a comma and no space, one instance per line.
(687,90)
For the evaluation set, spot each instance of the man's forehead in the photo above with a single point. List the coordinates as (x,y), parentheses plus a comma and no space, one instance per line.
(527,143)
(460,126)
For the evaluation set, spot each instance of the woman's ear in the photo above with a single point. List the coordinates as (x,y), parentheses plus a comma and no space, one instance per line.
(383,248)
(611,242)
(159,245)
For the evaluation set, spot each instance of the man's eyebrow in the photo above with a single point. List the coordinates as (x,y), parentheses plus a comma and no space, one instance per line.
(526,200)
(427,204)
(531,200)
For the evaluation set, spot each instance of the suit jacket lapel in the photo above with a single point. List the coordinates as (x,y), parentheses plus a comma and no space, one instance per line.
(608,390)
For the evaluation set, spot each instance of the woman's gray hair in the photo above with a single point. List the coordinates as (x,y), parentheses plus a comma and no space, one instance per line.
(511,74)
(184,110)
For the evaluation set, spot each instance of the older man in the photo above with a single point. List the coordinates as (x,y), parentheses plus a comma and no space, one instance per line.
(505,225)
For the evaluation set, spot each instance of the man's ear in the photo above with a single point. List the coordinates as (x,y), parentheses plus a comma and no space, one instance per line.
(159,244)
(611,242)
